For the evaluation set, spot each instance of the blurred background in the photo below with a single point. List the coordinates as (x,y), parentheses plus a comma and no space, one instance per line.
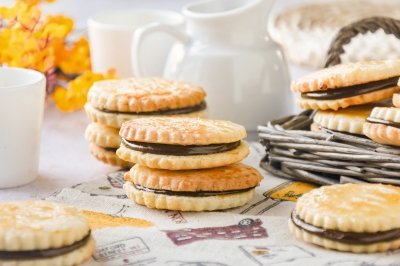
(80,10)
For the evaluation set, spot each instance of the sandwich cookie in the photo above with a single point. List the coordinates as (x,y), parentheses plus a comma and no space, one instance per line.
(383,125)
(112,102)
(104,142)
(182,143)
(360,218)
(192,190)
(349,84)
(349,120)
(43,233)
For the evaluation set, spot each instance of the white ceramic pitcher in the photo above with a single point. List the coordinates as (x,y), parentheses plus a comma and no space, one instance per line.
(226,49)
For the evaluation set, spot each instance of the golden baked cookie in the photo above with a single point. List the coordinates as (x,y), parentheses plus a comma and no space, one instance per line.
(182,143)
(182,131)
(143,95)
(113,102)
(192,190)
(184,162)
(102,135)
(232,177)
(348,120)
(108,156)
(43,233)
(360,218)
(383,125)
(349,84)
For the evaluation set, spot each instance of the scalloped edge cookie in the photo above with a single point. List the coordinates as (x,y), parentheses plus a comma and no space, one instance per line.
(330,244)
(349,120)
(349,101)
(116,120)
(329,207)
(64,225)
(231,177)
(183,203)
(182,131)
(102,135)
(382,133)
(108,157)
(386,113)
(171,162)
(345,75)
(144,94)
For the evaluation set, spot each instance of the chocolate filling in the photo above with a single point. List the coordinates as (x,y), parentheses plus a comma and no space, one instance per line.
(186,110)
(346,237)
(43,253)
(181,150)
(110,149)
(383,122)
(344,92)
(191,193)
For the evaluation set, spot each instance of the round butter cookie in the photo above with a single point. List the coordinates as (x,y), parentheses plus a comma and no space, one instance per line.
(43,233)
(360,218)
(113,102)
(104,142)
(349,120)
(383,125)
(182,143)
(102,135)
(192,190)
(349,84)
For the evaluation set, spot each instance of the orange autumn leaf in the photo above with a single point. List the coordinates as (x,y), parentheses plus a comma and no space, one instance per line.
(74,96)
(76,58)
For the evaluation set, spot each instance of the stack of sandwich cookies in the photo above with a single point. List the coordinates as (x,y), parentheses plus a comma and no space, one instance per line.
(112,102)
(349,120)
(182,143)
(187,164)
(192,190)
(104,142)
(360,218)
(349,84)
(43,233)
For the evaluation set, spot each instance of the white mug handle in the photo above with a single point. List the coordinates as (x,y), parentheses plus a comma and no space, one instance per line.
(141,33)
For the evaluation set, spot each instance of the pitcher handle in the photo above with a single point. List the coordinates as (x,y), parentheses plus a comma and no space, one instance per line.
(141,33)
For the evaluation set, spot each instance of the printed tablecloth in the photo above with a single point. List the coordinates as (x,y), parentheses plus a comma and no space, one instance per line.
(255,234)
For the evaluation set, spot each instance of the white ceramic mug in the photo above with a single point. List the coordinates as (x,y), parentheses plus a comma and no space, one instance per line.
(22,95)
(110,38)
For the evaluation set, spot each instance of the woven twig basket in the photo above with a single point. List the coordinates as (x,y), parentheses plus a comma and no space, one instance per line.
(327,157)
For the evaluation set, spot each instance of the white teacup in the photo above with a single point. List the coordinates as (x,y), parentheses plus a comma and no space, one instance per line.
(22,95)
(110,37)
